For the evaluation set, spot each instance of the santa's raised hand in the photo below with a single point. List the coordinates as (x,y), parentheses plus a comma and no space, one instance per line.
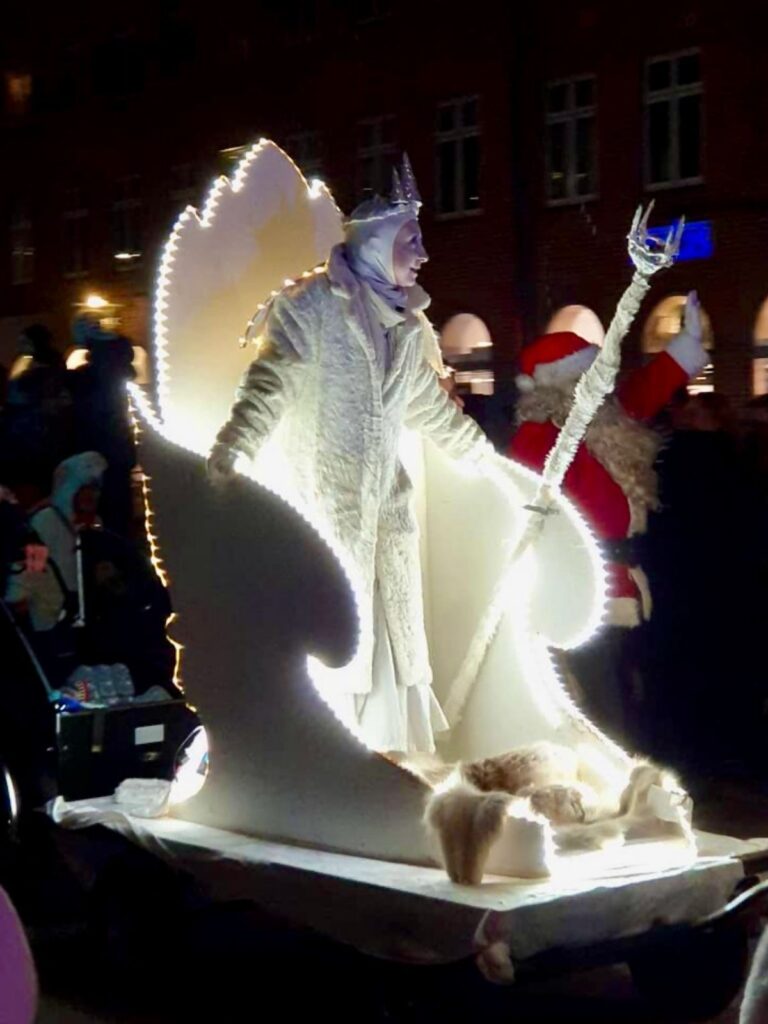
(692,317)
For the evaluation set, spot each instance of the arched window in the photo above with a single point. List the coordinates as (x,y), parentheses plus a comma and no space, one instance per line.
(760,352)
(466,343)
(664,323)
(579,319)
(462,334)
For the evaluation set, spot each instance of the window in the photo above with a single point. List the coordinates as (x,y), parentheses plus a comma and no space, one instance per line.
(74,235)
(570,142)
(673,97)
(463,334)
(579,319)
(458,157)
(664,323)
(126,223)
(760,352)
(22,247)
(375,155)
(304,148)
(18,92)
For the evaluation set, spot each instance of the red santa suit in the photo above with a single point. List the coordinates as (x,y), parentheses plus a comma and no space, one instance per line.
(611,478)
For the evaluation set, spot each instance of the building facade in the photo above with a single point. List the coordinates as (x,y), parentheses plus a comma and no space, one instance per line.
(534,130)
(113,129)
(665,102)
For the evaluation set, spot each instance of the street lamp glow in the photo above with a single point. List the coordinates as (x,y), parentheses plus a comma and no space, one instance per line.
(94,301)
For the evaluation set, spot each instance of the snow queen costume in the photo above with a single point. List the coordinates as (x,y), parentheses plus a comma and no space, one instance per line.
(340,372)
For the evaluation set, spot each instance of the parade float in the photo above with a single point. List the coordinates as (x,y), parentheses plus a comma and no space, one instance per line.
(299,808)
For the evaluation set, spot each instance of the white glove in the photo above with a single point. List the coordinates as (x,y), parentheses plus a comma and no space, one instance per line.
(687,349)
(692,317)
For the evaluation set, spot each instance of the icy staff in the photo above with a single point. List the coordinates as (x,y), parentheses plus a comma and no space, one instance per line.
(648,254)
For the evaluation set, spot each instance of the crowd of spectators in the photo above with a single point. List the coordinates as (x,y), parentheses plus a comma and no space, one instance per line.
(76,583)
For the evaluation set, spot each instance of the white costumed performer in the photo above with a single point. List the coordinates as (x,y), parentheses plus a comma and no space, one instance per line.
(341,371)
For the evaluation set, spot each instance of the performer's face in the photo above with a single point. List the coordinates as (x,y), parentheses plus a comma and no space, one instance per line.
(408,254)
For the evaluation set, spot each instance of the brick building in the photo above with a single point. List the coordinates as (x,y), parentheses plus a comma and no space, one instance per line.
(114,123)
(665,101)
(534,131)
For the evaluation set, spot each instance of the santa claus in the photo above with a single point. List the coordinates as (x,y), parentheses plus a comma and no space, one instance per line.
(612,477)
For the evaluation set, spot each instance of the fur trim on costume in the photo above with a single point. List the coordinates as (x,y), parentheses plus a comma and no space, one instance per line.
(625,448)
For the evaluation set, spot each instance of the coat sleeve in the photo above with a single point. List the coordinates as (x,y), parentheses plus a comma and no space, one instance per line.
(646,391)
(431,412)
(272,380)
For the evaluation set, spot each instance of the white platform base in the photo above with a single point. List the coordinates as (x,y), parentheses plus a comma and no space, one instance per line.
(416,914)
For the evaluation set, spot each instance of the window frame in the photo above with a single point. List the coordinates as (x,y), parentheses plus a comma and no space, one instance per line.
(569,117)
(457,134)
(672,94)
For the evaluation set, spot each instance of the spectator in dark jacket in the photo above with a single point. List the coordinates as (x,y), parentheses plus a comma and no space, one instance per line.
(35,431)
(101,418)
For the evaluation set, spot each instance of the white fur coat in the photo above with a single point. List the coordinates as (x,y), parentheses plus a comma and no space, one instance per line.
(337,415)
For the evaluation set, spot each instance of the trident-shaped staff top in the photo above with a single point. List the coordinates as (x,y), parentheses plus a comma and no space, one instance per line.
(648,252)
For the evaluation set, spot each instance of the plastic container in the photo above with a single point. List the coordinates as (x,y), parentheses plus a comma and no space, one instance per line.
(104,684)
(81,684)
(123,684)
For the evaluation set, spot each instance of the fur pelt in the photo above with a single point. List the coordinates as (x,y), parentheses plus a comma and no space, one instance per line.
(467,824)
(525,768)
(470,802)
(547,774)
(625,448)
(635,819)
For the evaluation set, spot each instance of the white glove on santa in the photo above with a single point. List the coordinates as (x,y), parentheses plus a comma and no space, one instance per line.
(687,349)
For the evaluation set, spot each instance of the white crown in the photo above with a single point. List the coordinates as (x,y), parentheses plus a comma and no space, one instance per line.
(403,199)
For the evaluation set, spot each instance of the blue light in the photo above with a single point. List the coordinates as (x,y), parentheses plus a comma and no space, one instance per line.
(696,243)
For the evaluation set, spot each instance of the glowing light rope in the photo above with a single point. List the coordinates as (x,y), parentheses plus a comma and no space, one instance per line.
(327,682)
(190,219)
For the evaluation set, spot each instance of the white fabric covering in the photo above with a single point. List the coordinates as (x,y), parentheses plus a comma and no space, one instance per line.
(415,913)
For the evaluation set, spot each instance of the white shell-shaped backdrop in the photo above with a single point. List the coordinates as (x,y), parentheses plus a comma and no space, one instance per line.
(258,592)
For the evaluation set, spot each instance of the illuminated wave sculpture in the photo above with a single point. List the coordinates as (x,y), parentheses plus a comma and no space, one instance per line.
(265,610)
